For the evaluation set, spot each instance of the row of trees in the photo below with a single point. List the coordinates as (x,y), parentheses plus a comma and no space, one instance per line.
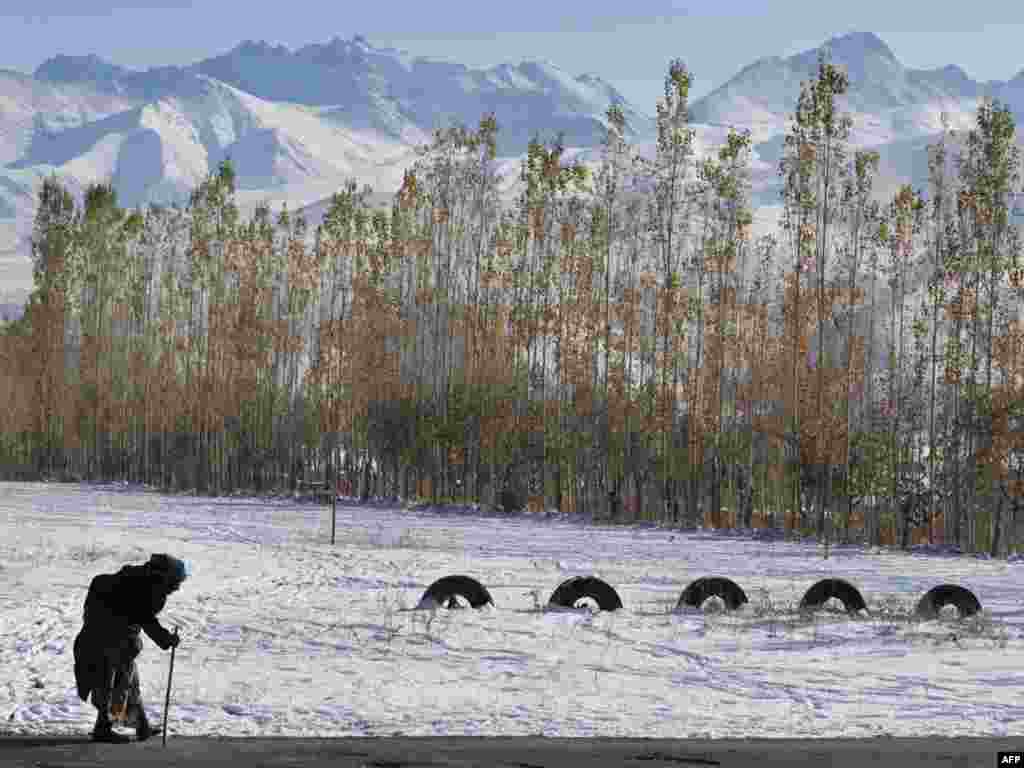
(617,345)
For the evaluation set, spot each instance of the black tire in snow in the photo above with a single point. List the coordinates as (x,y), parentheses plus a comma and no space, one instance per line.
(570,592)
(826,589)
(948,594)
(444,591)
(712,586)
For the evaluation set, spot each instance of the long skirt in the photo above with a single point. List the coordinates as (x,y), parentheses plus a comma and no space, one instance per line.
(105,670)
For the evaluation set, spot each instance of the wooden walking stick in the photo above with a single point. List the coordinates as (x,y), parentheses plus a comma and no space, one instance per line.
(167,699)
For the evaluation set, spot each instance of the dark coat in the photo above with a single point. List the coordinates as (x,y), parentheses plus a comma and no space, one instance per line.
(117,606)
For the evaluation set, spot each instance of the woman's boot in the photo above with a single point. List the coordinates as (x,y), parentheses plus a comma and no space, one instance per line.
(104,732)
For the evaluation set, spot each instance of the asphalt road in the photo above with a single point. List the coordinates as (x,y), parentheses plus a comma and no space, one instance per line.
(503,752)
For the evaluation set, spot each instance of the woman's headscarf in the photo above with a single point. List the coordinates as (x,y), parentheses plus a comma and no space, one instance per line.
(169,569)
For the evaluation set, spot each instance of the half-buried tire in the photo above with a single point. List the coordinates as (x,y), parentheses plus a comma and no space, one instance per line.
(445,591)
(948,594)
(700,590)
(826,589)
(571,592)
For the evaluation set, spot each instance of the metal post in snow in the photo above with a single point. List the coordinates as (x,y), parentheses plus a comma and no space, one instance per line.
(334,505)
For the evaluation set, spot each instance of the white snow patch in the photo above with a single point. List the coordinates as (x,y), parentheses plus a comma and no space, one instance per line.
(283,634)
(99,163)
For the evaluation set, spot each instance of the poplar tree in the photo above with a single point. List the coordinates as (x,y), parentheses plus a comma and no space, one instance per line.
(862,214)
(814,165)
(669,216)
(607,224)
(54,266)
(941,236)
(989,172)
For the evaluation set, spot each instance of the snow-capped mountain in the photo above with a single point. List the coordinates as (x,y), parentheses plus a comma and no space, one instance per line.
(895,109)
(892,101)
(28,105)
(295,123)
(160,151)
(380,88)
(298,123)
(901,98)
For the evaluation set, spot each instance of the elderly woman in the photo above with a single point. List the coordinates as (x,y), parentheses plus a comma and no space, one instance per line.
(117,607)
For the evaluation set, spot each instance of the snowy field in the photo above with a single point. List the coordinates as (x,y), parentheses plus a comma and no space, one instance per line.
(285,635)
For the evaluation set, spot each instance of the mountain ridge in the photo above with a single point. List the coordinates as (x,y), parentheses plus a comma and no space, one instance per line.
(860,49)
(878,81)
(356,73)
(309,117)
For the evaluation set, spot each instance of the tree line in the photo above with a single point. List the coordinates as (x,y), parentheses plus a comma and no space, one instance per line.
(616,344)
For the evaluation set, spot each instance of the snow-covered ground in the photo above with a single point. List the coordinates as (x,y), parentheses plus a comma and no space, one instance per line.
(283,634)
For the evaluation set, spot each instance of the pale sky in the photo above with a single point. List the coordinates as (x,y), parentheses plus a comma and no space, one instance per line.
(628,44)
